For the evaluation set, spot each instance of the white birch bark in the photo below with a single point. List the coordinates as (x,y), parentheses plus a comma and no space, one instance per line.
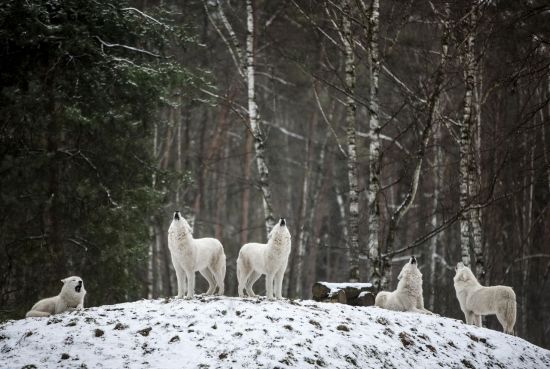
(342,209)
(353,209)
(254,121)
(373,188)
(245,63)
(466,167)
(475,174)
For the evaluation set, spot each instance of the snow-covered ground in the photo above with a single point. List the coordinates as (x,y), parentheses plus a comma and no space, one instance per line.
(226,332)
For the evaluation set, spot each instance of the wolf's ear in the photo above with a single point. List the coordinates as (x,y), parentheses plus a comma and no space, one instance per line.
(64,280)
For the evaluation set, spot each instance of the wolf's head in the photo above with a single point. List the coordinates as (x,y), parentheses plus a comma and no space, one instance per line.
(73,285)
(464,274)
(280,232)
(411,268)
(180,226)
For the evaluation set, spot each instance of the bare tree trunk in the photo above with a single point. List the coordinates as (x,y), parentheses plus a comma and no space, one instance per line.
(375,159)
(254,120)
(245,203)
(304,208)
(353,217)
(311,215)
(342,208)
(466,131)
(475,174)
(434,221)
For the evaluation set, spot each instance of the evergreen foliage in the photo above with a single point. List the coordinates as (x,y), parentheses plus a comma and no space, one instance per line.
(81,83)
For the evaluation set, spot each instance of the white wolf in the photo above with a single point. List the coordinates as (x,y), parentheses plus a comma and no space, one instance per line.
(476,300)
(408,295)
(189,255)
(71,297)
(268,258)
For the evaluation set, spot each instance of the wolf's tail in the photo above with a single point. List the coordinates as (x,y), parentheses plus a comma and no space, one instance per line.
(510,315)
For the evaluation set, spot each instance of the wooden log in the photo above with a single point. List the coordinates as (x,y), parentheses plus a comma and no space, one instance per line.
(365,299)
(320,292)
(345,293)
(342,297)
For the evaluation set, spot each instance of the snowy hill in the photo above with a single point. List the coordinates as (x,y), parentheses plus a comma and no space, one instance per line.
(229,332)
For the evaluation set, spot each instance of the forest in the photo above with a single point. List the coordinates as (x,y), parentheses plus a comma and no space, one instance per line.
(378,129)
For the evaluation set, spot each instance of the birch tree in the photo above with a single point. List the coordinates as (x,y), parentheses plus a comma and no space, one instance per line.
(253,116)
(245,64)
(353,216)
(470,224)
(375,159)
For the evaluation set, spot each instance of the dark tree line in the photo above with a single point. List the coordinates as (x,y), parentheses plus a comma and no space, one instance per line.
(378,129)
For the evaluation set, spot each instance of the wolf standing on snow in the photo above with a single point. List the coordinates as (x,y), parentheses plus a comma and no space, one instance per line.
(476,300)
(268,258)
(408,295)
(190,255)
(71,297)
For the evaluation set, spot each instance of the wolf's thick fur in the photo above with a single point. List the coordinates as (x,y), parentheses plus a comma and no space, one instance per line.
(189,255)
(476,300)
(408,295)
(269,258)
(71,297)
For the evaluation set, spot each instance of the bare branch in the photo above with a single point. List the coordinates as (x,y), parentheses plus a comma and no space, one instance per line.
(108,44)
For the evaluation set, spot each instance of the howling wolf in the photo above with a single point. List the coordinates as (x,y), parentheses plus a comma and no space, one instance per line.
(189,255)
(476,300)
(71,297)
(268,258)
(408,295)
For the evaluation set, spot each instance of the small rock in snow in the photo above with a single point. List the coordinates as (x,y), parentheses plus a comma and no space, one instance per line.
(145,331)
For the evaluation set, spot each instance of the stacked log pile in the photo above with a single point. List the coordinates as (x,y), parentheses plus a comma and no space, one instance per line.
(355,294)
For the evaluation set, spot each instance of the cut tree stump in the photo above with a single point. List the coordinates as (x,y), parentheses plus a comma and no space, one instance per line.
(355,294)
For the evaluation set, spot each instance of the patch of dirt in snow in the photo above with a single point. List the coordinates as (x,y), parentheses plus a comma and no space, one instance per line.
(227,332)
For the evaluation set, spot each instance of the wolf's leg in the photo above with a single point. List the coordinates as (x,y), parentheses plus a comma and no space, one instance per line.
(477,320)
(279,282)
(241,276)
(470,317)
(190,284)
(252,278)
(269,285)
(182,281)
(36,313)
(209,276)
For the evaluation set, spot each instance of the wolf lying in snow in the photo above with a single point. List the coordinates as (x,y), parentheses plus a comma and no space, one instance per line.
(476,300)
(268,258)
(408,295)
(71,297)
(189,255)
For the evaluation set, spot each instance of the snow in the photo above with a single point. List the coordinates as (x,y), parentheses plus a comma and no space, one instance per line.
(227,332)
